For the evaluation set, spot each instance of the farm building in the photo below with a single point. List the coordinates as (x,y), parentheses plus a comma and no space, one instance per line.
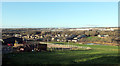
(12,40)
(33,47)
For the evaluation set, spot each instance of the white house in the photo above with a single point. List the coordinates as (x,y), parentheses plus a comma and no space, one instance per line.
(74,40)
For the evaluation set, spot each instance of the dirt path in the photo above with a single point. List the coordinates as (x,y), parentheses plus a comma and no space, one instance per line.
(51,45)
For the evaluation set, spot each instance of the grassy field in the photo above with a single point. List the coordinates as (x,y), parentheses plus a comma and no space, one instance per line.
(100,54)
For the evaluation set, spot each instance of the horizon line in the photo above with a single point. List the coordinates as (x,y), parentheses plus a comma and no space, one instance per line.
(59,27)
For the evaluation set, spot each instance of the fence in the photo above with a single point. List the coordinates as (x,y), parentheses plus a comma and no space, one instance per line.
(67,47)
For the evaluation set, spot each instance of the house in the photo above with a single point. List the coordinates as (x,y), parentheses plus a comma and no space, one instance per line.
(1,40)
(12,40)
(81,36)
(55,39)
(52,38)
(74,40)
(102,36)
(71,37)
(106,35)
(28,36)
(37,35)
(41,36)
(69,40)
(17,35)
(16,44)
(66,35)
(58,40)
(56,36)
(24,36)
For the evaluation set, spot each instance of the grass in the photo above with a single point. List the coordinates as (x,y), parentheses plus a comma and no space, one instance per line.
(92,37)
(100,54)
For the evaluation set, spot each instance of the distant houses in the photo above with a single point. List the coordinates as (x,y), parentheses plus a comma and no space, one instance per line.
(60,36)
(103,36)
(90,29)
(80,29)
(75,38)
(12,40)
(53,37)
(110,29)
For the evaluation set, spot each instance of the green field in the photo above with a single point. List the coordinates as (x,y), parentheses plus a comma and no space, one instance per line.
(100,54)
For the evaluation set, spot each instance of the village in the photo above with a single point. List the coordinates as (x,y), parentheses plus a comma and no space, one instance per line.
(69,35)
(31,40)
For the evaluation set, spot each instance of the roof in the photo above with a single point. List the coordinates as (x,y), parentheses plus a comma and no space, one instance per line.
(12,40)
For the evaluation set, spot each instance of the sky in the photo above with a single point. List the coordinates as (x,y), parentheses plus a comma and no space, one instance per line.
(59,14)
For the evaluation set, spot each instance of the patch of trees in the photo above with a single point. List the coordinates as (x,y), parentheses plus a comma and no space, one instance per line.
(91,33)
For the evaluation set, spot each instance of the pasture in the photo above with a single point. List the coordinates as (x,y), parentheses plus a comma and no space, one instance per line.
(100,54)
